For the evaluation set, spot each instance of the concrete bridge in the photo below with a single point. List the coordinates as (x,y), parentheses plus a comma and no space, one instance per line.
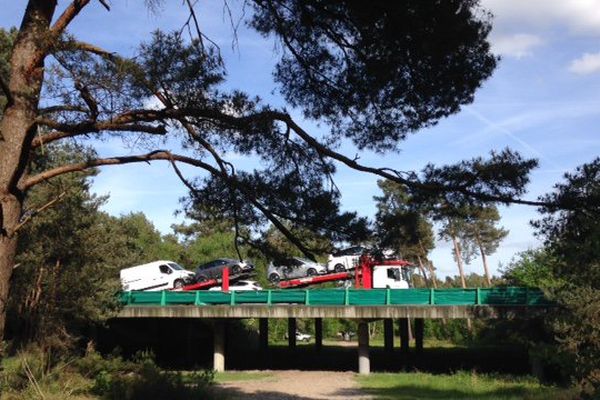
(365,306)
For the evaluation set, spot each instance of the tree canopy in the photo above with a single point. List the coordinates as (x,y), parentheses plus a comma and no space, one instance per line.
(370,73)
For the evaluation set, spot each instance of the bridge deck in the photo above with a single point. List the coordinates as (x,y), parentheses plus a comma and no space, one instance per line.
(334,303)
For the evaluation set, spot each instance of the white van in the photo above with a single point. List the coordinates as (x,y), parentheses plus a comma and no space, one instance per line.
(157,275)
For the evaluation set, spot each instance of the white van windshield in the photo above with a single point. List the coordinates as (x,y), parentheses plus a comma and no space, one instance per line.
(176,267)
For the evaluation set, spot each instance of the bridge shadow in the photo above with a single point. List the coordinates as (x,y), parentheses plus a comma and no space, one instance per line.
(187,344)
(499,359)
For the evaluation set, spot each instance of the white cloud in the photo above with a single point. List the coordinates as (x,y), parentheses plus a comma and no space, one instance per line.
(518,45)
(579,16)
(586,64)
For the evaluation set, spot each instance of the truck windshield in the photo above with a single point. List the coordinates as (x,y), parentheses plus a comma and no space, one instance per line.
(176,267)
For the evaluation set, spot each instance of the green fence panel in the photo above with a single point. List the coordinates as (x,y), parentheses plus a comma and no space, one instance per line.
(455,297)
(180,298)
(251,297)
(324,297)
(141,298)
(504,296)
(409,296)
(288,296)
(214,297)
(367,297)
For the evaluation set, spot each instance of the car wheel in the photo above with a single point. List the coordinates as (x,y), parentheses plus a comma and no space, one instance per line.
(311,272)
(202,278)
(274,278)
(235,270)
(339,268)
(178,284)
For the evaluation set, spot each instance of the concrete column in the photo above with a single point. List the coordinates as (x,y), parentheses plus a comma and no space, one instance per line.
(388,335)
(364,363)
(292,333)
(318,333)
(419,332)
(263,332)
(219,346)
(404,339)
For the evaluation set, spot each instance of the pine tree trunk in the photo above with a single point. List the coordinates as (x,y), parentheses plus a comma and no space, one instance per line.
(429,266)
(17,130)
(422,269)
(488,278)
(432,274)
(459,262)
(11,211)
(461,272)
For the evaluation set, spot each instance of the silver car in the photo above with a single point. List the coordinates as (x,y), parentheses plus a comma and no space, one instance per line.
(293,267)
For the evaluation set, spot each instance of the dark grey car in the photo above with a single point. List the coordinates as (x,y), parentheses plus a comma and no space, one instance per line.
(214,269)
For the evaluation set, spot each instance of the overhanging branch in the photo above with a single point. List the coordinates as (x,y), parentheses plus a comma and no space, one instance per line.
(168,156)
(91,127)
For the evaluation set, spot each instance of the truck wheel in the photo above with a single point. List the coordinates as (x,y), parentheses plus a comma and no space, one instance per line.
(339,268)
(274,278)
(311,272)
(178,284)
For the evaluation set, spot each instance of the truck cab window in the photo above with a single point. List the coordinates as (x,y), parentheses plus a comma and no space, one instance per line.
(393,273)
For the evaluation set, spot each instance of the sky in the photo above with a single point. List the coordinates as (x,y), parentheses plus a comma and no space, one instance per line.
(543,100)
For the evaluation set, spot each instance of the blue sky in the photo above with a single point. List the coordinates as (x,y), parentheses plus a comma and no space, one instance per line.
(543,100)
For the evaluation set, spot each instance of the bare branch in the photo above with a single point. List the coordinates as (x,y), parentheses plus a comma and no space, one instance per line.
(105,4)
(90,48)
(62,108)
(32,214)
(67,16)
(88,98)
(65,130)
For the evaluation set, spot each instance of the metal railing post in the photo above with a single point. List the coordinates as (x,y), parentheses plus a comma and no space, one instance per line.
(163,298)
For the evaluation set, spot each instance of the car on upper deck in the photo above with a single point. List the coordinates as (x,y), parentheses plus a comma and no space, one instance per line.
(293,267)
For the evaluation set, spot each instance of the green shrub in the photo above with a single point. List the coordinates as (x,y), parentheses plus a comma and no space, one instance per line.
(117,379)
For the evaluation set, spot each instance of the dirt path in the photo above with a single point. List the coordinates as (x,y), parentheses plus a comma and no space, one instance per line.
(296,385)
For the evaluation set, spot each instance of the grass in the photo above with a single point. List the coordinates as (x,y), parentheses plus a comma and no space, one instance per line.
(237,376)
(462,385)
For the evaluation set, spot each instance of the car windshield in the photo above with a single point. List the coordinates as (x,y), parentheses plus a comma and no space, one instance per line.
(304,261)
(176,266)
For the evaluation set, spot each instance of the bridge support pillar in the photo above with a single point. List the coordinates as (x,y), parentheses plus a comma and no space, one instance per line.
(364,363)
(219,346)
(292,333)
(419,333)
(388,335)
(318,334)
(404,338)
(263,332)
